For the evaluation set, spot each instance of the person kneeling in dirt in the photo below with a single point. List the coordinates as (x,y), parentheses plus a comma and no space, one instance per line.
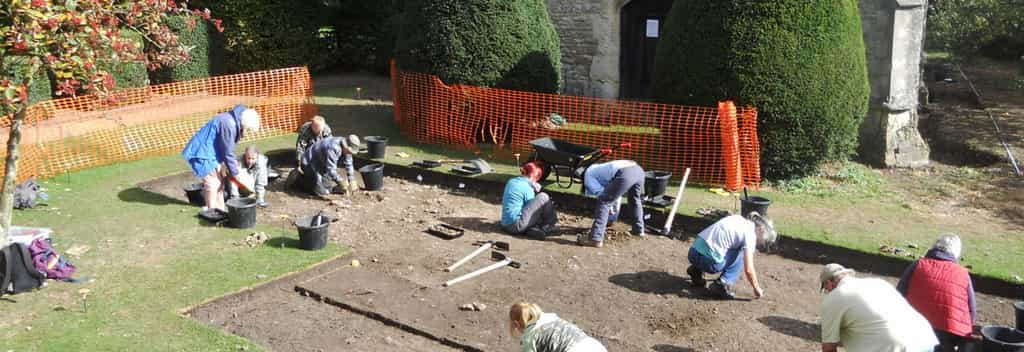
(941,290)
(212,150)
(869,315)
(524,208)
(311,132)
(726,246)
(609,182)
(541,331)
(320,161)
(254,165)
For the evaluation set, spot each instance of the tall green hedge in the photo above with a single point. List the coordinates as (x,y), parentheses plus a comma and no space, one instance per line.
(801,63)
(14,68)
(494,43)
(129,74)
(260,35)
(365,32)
(207,51)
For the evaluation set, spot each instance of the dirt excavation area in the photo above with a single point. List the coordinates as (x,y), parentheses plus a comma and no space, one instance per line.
(632,295)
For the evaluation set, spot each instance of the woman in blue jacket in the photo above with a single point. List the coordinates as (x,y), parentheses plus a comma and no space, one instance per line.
(211,151)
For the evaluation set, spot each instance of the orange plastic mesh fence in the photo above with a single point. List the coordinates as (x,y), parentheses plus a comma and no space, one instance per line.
(70,134)
(718,144)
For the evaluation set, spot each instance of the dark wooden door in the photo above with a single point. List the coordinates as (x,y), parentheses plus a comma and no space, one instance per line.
(642,22)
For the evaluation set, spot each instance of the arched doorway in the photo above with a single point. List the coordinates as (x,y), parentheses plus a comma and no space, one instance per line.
(641,23)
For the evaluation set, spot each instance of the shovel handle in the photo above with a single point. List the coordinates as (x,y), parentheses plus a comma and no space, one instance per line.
(478,272)
(465,259)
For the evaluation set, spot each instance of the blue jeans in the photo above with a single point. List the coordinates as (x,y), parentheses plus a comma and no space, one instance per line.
(730,267)
(628,180)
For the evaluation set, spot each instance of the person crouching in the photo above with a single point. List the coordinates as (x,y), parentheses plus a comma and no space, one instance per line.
(254,166)
(727,246)
(941,290)
(320,162)
(524,208)
(541,331)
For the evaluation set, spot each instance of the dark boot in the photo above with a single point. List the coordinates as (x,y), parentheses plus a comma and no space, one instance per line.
(722,290)
(696,276)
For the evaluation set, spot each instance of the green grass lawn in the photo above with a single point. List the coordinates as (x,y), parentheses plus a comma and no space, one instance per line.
(149,257)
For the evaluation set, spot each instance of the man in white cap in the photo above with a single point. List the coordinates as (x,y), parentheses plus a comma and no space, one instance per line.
(869,315)
(211,152)
(321,160)
(941,289)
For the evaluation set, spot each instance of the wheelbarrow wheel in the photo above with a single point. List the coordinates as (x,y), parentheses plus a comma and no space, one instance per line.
(546,169)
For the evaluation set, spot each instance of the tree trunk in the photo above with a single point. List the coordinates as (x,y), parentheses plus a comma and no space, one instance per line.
(11,175)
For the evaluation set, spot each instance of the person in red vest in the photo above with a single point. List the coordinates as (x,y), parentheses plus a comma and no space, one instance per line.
(941,290)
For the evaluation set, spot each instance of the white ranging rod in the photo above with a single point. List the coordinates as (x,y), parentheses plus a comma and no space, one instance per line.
(478,272)
(465,259)
(675,205)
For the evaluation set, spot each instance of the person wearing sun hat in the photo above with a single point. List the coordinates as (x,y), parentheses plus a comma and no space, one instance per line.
(868,314)
(320,162)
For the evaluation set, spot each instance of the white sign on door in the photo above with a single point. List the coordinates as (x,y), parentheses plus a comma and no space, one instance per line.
(652,28)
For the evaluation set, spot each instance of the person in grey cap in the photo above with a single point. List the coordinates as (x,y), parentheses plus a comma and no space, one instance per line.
(869,315)
(320,162)
(726,247)
(941,289)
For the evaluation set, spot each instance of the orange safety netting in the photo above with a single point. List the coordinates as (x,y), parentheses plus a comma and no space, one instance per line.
(69,134)
(719,144)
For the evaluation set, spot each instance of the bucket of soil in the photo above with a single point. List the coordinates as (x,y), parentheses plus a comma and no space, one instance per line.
(373,176)
(375,146)
(655,183)
(754,203)
(1002,339)
(241,212)
(1019,309)
(194,192)
(313,231)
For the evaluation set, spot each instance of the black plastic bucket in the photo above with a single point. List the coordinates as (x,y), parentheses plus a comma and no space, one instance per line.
(242,212)
(373,176)
(655,183)
(194,192)
(754,203)
(312,232)
(375,146)
(1019,309)
(1001,339)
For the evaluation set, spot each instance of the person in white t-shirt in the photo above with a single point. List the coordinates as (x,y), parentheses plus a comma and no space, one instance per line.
(869,315)
(727,246)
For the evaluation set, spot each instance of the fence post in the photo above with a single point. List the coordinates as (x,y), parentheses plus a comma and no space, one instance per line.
(727,122)
(394,91)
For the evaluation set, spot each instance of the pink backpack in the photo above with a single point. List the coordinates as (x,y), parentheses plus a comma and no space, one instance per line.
(49,262)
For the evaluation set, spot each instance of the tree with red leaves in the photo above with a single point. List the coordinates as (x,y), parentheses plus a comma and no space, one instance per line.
(70,38)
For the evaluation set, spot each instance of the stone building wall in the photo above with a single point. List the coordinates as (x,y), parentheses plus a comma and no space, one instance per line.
(893,30)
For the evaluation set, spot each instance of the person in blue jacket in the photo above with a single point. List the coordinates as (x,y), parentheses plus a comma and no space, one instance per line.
(609,182)
(211,151)
(524,208)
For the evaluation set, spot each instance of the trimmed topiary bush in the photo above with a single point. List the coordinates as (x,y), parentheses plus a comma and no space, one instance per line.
(261,35)
(801,63)
(492,43)
(207,51)
(365,33)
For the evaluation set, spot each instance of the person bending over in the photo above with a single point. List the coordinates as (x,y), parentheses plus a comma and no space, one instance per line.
(609,182)
(727,246)
(211,152)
